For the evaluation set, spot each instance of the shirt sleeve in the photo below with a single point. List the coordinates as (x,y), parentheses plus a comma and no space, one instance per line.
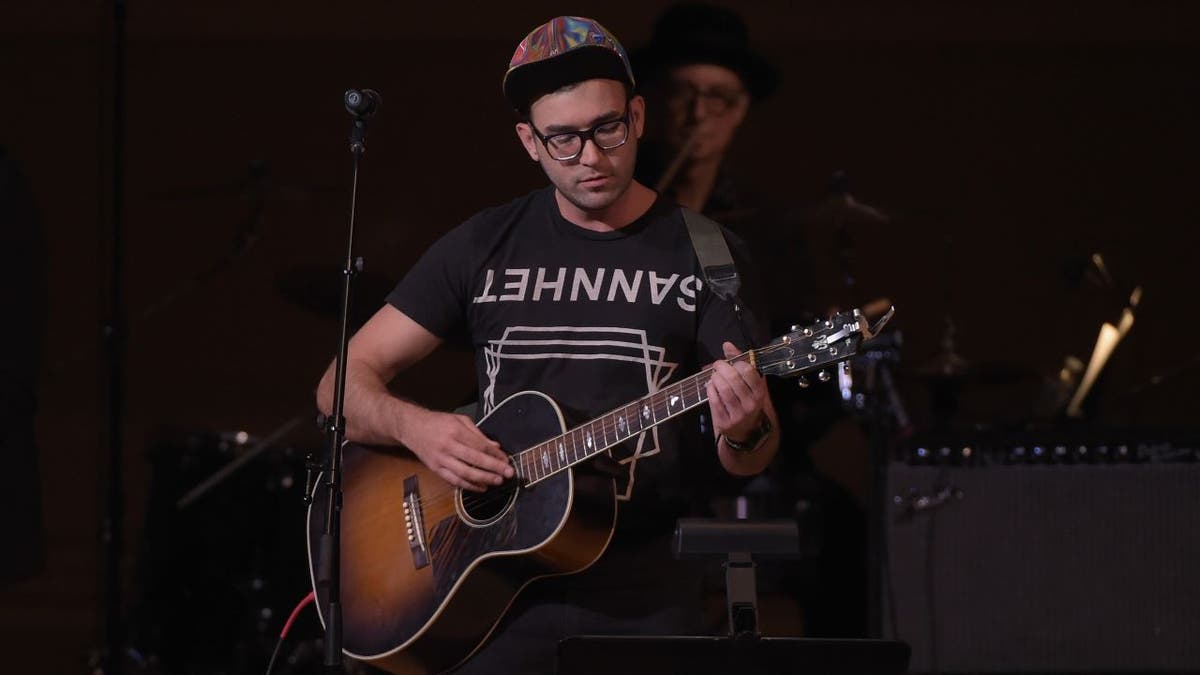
(436,291)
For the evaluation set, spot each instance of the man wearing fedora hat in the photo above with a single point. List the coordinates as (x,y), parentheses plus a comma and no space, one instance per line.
(701,62)
(703,73)
(589,291)
(701,77)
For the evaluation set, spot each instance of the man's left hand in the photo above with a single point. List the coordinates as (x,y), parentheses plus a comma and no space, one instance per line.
(737,395)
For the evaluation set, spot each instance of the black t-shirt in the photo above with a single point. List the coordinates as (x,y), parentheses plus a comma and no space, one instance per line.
(594,320)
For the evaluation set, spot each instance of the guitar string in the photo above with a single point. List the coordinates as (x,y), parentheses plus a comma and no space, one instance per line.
(503,493)
(498,493)
(656,400)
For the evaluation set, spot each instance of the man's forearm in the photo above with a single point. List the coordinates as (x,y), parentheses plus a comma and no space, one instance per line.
(373,414)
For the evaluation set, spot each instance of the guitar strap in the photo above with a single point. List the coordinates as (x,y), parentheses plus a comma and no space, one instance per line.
(713,253)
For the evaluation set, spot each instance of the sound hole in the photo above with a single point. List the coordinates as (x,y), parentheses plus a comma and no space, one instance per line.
(484,508)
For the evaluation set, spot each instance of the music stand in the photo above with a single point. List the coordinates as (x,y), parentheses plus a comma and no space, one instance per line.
(744,650)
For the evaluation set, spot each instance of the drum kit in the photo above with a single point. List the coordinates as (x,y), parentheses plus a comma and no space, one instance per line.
(223,557)
(223,553)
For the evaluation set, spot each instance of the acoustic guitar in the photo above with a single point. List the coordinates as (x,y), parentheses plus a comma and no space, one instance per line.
(427,569)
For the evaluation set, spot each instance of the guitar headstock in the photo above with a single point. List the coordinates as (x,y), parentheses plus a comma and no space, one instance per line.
(808,348)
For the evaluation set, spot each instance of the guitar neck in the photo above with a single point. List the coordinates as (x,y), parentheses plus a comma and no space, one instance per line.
(587,440)
(801,350)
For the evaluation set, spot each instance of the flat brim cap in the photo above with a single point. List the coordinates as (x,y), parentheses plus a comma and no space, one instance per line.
(562,51)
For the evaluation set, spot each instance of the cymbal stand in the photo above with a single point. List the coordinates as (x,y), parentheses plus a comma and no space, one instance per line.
(882,408)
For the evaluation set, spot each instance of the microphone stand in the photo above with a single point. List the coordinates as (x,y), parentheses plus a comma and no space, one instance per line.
(329,552)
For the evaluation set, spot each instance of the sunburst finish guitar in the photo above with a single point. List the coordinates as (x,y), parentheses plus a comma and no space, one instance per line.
(428,569)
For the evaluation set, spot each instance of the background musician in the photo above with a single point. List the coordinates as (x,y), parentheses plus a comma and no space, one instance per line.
(701,70)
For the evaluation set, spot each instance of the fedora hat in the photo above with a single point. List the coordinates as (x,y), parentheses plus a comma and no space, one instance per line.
(699,33)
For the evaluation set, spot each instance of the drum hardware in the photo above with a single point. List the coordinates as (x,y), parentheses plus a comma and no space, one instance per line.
(219,564)
(241,437)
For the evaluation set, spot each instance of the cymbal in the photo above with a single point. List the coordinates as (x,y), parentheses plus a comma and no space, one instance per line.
(257,182)
(841,208)
(318,288)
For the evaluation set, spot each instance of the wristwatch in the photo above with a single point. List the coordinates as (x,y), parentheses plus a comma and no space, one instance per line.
(754,439)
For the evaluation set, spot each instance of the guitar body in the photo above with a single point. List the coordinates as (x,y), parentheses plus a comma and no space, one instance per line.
(426,603)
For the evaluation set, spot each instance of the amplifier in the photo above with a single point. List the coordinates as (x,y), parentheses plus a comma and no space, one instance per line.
(1028,563)
(1056,447)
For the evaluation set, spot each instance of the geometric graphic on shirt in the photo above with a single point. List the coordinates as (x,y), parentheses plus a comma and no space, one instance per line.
(625,345)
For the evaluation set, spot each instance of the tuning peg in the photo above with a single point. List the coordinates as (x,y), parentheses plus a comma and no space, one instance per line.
(823,376)
(802,382)
(796,328)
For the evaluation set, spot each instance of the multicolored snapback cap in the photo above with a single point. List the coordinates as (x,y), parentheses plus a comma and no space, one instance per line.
(563,50)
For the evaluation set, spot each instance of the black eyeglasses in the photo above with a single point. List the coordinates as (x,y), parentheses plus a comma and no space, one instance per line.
(568,145)
(716,101)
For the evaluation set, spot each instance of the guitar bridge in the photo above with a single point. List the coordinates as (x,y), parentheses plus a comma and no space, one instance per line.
(414,523)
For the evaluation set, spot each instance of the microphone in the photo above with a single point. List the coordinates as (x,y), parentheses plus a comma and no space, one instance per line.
(362,103)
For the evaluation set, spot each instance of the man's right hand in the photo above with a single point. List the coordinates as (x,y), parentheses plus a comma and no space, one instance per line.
(450,445)
(454,448)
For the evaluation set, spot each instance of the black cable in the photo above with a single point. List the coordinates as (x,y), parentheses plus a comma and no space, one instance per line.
(271,663)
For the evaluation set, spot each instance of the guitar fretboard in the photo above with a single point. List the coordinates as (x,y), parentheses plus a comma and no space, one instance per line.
(588,440)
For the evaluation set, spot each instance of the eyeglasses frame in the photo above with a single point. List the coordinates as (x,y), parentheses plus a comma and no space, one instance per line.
(584,136)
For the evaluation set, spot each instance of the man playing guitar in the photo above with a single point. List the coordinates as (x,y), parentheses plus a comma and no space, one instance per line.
(589,291)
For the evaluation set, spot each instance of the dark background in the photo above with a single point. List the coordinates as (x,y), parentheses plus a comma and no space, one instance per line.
(1006,139)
